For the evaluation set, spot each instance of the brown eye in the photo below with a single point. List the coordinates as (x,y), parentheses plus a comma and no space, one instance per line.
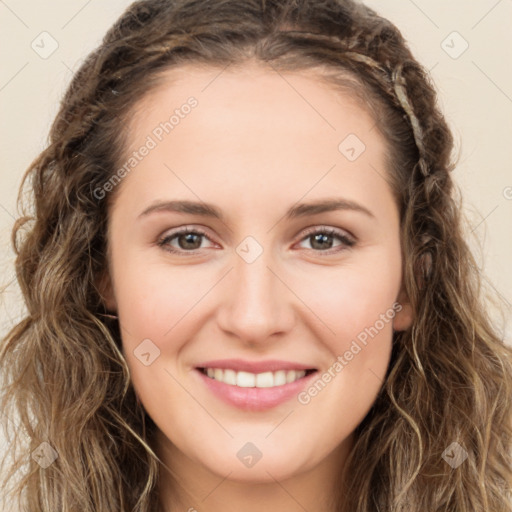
(322,240)
(186,240)
(189,240)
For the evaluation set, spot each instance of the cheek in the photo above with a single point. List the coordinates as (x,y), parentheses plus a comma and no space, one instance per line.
(154,299)
(359,313)
(358,304)
(354,297)
(359,316)
(157,307)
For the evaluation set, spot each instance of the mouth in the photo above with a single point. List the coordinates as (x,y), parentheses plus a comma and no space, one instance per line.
(243,379)
(254,386)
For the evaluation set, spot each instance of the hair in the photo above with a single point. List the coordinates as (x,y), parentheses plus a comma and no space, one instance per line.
(450,374)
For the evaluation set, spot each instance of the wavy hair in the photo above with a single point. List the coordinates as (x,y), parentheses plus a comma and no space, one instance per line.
(66,380)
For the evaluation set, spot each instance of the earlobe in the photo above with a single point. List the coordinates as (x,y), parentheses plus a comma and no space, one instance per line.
(106,291)
(403,318)
(404,315)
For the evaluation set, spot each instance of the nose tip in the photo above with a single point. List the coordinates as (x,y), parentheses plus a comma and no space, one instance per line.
(256,305)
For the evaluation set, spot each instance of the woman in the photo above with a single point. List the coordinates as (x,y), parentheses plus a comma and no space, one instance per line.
(246,278)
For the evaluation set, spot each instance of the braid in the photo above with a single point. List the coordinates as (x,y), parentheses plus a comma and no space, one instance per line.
(401,93)
(399,86)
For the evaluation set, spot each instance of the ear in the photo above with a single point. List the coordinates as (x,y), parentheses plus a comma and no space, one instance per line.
(404,317)
(106,290)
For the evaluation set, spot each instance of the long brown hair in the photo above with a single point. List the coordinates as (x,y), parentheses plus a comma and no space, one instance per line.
(450,376)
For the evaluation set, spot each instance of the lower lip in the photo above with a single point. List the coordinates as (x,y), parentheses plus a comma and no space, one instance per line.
(255,399)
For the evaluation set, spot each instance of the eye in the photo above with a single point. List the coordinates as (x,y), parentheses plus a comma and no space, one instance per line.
(321,239)
(188,240)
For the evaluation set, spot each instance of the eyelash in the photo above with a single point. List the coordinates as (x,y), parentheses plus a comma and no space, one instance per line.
(346,240)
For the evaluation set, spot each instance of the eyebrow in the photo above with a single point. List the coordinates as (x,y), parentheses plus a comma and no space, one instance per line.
(296,211)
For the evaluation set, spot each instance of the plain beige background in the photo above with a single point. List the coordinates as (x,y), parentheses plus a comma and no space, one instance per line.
(466,45)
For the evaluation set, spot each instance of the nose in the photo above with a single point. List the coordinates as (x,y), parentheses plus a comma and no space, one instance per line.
(256,305)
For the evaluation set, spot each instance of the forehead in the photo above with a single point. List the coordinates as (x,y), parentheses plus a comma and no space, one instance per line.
(299,100)
(253,128)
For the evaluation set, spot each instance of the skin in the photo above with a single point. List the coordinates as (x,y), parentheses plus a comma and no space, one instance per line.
(253,147)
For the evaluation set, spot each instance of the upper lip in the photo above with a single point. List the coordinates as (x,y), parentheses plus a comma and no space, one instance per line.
(239,365)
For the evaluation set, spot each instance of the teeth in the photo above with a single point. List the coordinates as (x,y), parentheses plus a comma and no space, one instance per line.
(229,377)
(279,378)
(252,380)
(265,380)
(243,379)
(290,376)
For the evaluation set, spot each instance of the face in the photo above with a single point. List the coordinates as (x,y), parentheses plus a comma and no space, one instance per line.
(220,265)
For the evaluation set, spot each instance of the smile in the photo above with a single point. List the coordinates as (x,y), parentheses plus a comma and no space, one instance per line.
(254,380)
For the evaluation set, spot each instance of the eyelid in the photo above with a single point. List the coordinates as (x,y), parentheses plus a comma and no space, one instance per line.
(348,240)
(343,233)
(181,231)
